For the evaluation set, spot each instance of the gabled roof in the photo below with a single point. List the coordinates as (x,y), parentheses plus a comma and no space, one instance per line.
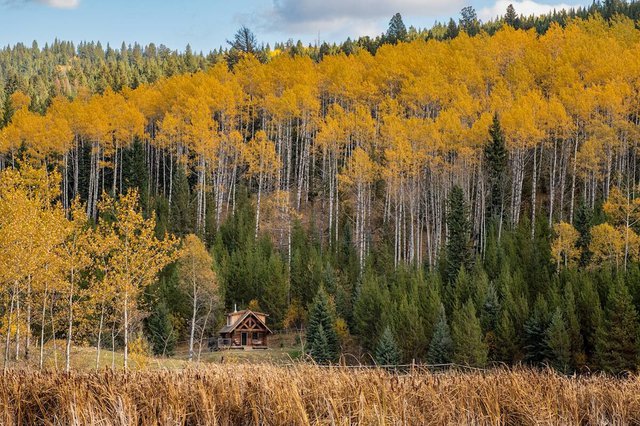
(229,328)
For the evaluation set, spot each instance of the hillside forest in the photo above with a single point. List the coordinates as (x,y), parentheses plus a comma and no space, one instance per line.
(469,199)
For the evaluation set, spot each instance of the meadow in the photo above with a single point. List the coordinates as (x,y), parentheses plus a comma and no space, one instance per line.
(304,394)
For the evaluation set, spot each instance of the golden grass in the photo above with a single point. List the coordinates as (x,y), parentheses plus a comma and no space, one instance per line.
(305,394)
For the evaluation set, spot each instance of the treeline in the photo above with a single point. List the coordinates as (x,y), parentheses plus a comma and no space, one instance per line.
(63,69)
(347,174)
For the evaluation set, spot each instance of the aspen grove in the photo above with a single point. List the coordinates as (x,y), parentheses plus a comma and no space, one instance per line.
(478,176)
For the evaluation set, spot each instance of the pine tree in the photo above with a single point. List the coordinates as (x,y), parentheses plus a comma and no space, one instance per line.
(387,352)
(617,338)
(452,29)
(135,172)
(397,31)
(495,158)
(370,311)
(535,331)
(468,345)
(511,18)
(469,20)
(558,341)
(441,346)
(181,209)
(459,249)
(322,338)
(582,222)
(318,347)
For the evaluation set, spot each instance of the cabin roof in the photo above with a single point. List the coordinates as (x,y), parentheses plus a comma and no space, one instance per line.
(229,328)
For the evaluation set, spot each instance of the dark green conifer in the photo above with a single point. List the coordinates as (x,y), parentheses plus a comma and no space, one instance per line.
(468,346)
(387,352)
(617,338)
(322,338)
(441,346)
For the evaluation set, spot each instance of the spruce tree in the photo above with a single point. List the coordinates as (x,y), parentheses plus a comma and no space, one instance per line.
(459,248)
(495,158)
(535,332)
(318,347)
(573,327)
(468,346)
(135,172)
(322,338)
(387,352)
(511,18)
(617,338)
(583,221)
(370,311)
(181,209)
(397,31)
(441,346)
(558,342)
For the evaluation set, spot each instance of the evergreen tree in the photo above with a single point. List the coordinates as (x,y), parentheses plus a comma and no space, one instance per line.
(387,352)
(459,248)
(573,327)
(489,319)
(466,333)
(535,329)
(318,347)
(617,338)
(135,172)
(583,222)
(441,346)
(181,209)
(160,330)
(322,338)
(495,156)
(452,30)
(469,21)
(511,18)
(397,31)
(370,311)
(558,341)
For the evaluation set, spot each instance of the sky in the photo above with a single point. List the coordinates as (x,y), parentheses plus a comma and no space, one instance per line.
(207,24)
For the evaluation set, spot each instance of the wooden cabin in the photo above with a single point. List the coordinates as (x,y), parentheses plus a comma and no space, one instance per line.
(244,330)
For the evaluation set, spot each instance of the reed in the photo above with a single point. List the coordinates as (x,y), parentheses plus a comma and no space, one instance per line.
(305,394)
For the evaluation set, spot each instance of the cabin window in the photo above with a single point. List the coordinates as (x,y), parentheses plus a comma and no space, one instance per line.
(255,335)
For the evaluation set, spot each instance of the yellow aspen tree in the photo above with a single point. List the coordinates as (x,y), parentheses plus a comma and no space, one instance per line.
(623,212)
(607,245)
(199,281)
(358,177)
(262,161)
(563,249)
(137,259)
(75,255)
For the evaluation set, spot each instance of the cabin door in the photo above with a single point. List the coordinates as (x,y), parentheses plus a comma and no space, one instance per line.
(244,339)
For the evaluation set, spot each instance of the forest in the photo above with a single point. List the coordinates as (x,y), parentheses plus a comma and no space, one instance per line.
(469,199)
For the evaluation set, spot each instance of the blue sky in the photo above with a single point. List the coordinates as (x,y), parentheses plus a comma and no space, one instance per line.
(206,24)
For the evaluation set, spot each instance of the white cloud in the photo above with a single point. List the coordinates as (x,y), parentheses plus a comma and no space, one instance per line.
(60,4)
(332,18)
(314,10)
(523,7)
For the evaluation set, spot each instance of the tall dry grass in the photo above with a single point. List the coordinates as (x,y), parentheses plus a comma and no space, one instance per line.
(304,394)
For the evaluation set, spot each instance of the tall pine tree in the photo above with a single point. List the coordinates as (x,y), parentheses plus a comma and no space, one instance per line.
(322,339)
(387,352)
(495,159)
(617,338)
(459,245)
(468,346)
(441,346)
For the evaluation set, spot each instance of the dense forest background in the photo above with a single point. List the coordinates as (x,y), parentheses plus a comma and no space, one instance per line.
(465,193)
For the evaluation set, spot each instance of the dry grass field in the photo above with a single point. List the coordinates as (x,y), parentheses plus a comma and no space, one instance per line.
(304,394)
